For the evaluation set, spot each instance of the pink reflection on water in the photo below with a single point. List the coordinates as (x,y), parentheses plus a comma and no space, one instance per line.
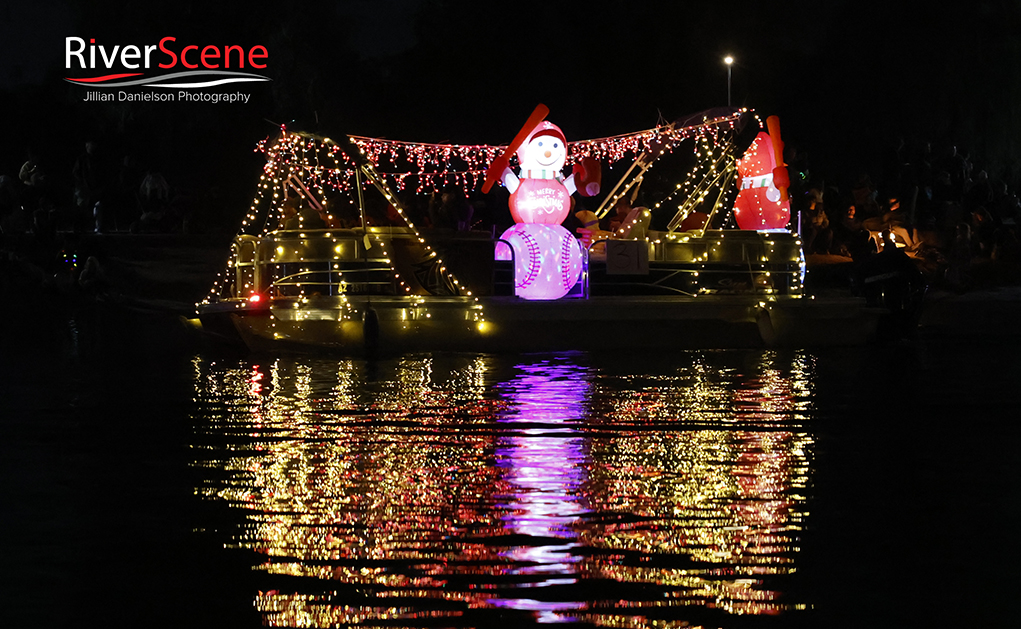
(543,465)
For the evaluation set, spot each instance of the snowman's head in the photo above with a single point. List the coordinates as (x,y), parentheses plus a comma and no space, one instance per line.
(545,148)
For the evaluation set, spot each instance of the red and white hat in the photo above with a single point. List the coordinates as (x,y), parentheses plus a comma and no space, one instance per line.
(542,129)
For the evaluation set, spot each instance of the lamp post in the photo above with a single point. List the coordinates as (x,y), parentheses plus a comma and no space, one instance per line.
(730,62)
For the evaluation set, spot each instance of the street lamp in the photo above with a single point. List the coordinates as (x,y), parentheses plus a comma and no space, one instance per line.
(730,62)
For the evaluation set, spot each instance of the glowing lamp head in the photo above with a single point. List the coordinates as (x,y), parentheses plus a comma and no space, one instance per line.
(728,60)
(255,298)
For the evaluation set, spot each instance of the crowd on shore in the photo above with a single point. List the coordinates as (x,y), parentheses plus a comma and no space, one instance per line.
(104,193)
(957,223)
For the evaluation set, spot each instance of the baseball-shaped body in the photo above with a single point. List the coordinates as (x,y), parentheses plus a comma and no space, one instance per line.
(547,260)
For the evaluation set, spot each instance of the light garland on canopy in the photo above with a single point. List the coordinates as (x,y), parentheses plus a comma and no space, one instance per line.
(464,165)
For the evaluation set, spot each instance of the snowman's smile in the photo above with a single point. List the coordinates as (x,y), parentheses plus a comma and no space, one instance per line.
(551,156)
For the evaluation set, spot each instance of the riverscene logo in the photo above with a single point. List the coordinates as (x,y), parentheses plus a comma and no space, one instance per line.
(197,68)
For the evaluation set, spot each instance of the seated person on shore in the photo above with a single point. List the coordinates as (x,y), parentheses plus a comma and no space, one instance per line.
(959,260)
(851,239)
(818,234)
(889,276)
(893,220)
(983,229)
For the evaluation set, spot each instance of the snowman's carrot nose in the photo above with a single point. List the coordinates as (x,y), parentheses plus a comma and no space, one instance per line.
(547,154)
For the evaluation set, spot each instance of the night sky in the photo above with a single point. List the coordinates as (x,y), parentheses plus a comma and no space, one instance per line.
(847,79)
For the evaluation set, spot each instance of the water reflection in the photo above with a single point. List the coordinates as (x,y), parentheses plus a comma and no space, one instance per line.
(543,461)
(472,488)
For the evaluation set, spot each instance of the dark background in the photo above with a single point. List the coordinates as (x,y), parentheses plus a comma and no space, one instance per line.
(847,79)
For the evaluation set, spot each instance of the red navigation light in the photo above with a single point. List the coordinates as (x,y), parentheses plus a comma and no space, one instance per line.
(255,298)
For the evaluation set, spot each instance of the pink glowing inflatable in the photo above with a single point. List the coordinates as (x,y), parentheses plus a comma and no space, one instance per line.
(547,260)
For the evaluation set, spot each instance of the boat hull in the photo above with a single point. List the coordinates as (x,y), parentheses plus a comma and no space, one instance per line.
(508,324)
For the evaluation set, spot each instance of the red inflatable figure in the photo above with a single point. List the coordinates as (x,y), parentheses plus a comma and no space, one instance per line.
(762,202)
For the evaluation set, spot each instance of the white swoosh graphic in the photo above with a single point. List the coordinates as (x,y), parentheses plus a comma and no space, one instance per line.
(205,84)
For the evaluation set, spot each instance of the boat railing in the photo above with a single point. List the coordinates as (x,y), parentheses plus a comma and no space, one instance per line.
(331,282)
(292,263)
(713,262)
(503,271)
(286,263)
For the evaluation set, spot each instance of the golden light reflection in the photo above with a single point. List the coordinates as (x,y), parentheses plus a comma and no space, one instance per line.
(441,486)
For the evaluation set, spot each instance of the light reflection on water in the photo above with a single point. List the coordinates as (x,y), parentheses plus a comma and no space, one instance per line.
(468,488)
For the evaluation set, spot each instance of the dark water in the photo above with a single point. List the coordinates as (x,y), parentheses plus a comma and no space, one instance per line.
(872,486)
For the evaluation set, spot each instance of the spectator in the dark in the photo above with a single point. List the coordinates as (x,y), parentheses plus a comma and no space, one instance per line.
(154,201)
(895,272)
(33,179)
(1006,255)
(450,209)
(894,165)
(818,233)
(980,192)
(1002,203)
(91,185)
(953,163)
(865,197)
(982,230)
(958,273)
(35,199)
(126,203)
(14,219)
(851,238)
(944,190)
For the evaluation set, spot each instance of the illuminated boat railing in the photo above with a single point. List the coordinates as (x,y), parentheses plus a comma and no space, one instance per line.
(305,263)
(332,262)
(503,271)
(333,282)
(697,263)
(325,262)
